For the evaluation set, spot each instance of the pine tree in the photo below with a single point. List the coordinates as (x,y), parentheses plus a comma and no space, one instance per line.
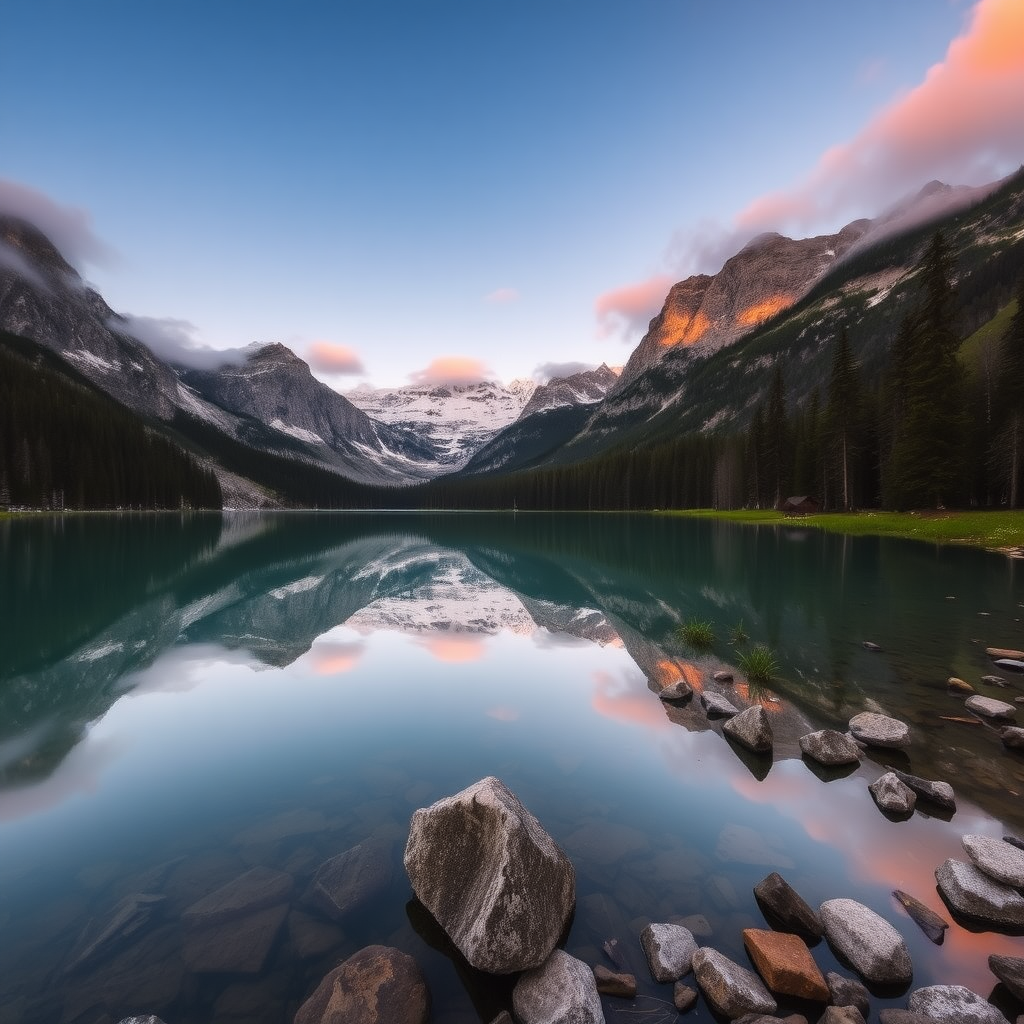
(844,416)
(777,448)
(1010,402)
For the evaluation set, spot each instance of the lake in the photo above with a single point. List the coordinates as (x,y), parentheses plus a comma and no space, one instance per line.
(183,699)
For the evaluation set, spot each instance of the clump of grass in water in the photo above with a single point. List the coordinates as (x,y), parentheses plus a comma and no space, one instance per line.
(696,633)
(758,664)
(738,635)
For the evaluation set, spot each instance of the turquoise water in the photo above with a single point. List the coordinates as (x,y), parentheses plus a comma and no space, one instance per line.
(182,699)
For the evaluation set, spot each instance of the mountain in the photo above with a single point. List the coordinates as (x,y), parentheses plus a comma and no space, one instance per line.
(455,420)
(555,413)
(274,386)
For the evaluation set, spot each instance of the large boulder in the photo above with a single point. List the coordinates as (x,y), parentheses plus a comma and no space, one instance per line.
(730,989)
(377,985)
(879,730)
(873,947)
(751,729)
(496,882)
(785,907)
(971,893)
(561,991)
(830,747)
(953,1004)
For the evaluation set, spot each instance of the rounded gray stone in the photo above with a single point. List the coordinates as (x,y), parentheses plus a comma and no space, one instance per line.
(561,991)
(971,893)
(892,795)
(880,730)
(829,747)
(873,947)
(669,949)
(989,707)
(751,729)
(953,1004)
(730,989)
(999,860)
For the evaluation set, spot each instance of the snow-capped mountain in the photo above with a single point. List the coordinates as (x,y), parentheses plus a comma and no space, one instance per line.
(456,420)
(584,388)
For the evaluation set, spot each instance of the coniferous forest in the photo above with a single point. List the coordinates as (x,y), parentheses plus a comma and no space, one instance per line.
(66,445)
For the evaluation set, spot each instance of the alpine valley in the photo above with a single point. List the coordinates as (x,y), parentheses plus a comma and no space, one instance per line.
(729,398)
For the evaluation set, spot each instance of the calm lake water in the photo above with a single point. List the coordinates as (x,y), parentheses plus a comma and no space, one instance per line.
(184,699)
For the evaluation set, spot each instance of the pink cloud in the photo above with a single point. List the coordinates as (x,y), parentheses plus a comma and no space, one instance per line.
(452,370)
(501,296)
(330,357)
(963,124)
(630,307)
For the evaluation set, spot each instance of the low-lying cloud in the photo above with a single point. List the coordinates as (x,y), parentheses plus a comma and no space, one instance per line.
(628,309)
(452,370)
(175,341)
(333,358)
(67,227)
(549,371)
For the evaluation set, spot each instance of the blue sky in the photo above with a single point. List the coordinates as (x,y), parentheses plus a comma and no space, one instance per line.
(400,181)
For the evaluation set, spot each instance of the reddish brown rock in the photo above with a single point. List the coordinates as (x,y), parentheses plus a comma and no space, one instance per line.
(377,985)
(785,964)
(611,983)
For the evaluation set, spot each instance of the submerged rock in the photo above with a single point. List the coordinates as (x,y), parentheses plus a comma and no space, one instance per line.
(730,989)
(993,680)
(848,992)
(999,860)
(785,964)
(880,730)
(669,949)
(973,894)
(347,882)
(751,729)
(561,991)
(496,882)
(873,947)
(683,997)
(892,795)
(927,920)
(829,747)
(940,793)
(989,707)
(953,1004)
(612,983)
(132,914)
(377,985)
(783,905)
(868,645)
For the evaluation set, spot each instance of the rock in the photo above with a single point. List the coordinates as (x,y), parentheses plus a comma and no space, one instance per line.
(141,1020)
(783,905)
(827,746)
(669,949)
(869,646)
(298,822)
(873,947)
(716,704)
(239,945)
(994,680)
(254,890)
(1014,841)
(613,950)
(953,1004)
(730,989)
(1010,971)
(785,964)
(129,916)
(310,936)
(880,730)
(1011,664)
(723,677)
(1012,737)
(740,844)
(848,992)
(610,983)
(561,991)
(1005,652)
(349,881)
(894,1016)
(841,1015)
(939,793)
(751,729)
(892,795)
(959,685)
(680,690)
(606,842)
(999,860)
(496,882)
(989,707)
(503,1018)
(973,894)
(683,997)
(377,985)
(927,920)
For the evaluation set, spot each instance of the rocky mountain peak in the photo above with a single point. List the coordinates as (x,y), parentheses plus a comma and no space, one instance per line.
(38,252)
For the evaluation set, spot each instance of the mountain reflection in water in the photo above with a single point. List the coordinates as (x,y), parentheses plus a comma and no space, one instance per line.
(192,676)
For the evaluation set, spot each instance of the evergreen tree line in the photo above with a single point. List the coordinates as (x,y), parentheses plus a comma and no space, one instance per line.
(64,445)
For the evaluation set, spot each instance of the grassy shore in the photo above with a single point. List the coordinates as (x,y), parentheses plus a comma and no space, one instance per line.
(998,529)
